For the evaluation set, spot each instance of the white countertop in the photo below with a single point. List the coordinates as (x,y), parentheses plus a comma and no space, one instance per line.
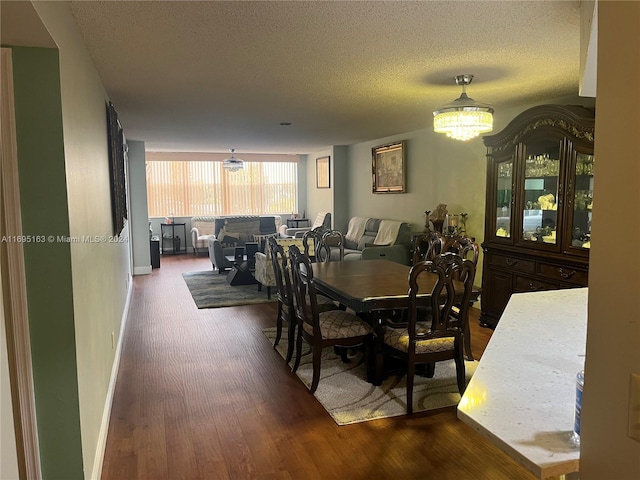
(522,394)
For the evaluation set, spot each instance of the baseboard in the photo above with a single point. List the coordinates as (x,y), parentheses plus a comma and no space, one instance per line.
(106,415)
(146,270)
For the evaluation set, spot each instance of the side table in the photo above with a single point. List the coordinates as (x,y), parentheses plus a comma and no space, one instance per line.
(171,240)
(295,222)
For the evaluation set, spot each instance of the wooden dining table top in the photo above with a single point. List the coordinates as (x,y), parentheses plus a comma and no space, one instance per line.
(367,285)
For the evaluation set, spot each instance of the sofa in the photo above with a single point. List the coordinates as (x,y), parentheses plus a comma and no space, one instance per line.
(374,238)
(201,229)
(235,231)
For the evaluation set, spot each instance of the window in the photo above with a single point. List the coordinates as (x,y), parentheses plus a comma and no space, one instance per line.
(185,188)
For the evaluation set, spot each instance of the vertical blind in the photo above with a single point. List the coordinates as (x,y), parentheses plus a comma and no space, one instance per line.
(191,188)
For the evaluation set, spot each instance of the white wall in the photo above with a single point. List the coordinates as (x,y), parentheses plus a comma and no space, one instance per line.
(100,271)
(138,210)
(318,199)
(340,186)
(613,333)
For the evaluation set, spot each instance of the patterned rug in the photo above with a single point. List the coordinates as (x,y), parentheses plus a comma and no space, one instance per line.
(347,396)
(209,289)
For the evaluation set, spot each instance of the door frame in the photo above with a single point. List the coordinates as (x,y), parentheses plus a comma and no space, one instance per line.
(14,286)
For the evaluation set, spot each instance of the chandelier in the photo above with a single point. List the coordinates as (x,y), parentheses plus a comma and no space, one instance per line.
(464,118)
(232,163)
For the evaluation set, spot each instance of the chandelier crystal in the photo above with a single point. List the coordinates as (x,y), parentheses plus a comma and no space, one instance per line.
(464,118)
(232,163)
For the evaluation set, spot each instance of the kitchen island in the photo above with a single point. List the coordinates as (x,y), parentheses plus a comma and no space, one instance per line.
(522,395)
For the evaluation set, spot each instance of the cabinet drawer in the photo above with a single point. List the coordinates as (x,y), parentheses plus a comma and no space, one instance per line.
(513,263)
(563,274)
(528,284)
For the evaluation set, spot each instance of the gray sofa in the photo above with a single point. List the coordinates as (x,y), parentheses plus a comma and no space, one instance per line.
(235,231)
(363,246)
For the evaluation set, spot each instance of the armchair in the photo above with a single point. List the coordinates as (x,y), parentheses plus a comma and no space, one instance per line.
(323,219)
(265,273)
(201,229)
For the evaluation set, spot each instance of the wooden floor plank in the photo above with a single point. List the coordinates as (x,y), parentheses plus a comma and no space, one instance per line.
(202,394)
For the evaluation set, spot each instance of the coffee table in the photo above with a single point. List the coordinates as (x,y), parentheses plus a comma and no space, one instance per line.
(240,274)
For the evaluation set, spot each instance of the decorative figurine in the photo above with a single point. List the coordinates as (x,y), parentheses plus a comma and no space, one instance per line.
(438,217)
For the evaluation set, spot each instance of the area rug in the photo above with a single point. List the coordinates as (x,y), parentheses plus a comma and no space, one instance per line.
(347,396)
(209,289)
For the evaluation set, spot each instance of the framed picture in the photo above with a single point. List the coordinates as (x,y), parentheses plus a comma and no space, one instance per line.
(323,180)
(117,153)
(389,169)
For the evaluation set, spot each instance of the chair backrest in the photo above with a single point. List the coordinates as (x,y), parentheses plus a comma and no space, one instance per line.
(281,271)
(322,253)
(466,247)
(427,246)
(334,241)
(311,241)
(306,306)
(442,298)
(462,270)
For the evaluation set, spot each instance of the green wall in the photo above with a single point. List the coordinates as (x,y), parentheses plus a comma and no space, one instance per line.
(43,193)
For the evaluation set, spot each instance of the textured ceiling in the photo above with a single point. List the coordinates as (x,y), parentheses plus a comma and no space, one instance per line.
(208,76)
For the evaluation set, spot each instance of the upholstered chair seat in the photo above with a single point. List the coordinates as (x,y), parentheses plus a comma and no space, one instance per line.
(398,338)
(334,328)
(336,324)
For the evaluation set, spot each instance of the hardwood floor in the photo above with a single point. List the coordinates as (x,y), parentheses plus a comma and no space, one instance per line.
(201,394)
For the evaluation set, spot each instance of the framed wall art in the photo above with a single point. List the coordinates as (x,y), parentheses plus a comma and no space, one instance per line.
(389,168)
(323,179)
(117,154)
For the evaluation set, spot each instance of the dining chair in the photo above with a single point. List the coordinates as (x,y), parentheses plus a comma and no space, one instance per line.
(333,328)
(285,296)
(334,241)
(311,241)
(322,249)
(466,247)
(427,246)
(439,338)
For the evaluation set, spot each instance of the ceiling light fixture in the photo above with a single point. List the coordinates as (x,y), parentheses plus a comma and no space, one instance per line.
(232,163)
(464,118)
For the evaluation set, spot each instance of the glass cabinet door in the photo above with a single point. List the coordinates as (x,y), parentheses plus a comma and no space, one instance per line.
(582,201)
(541,191)
(503,199)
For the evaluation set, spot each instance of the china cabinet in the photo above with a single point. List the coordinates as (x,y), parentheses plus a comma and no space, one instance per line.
(539,201)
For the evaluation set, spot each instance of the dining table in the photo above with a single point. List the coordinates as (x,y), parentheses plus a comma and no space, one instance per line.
(372,289)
